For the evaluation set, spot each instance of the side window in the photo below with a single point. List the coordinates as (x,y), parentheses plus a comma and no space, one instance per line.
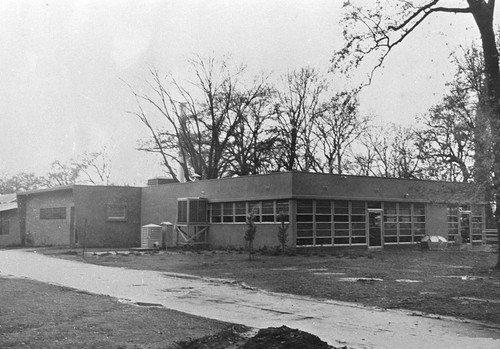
(53,213)
(116,212)
(216,212)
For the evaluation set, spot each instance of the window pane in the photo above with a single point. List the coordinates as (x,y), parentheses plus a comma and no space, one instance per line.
(114,212)
(341,232)
(53,213)
(282,206)
(304,206)
(323,206)
(323,218)
(304,233)
(227,212)
(323,233)
(216,212)
(341,207)
(341,241)
(359,232)
(240,208)
(359,240)
(254,206)
(304,242)
(358,207)
(323,241)
(390,239)
(404,209)
(390,208)
(323,226)
(267,218)
(405,239)
(358,218)
(304,218)
(268,207)
(304,226)
(341,226)
(359,226)
(339,218)
(419,209)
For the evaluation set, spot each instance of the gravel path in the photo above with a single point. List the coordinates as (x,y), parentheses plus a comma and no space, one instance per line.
(335,322)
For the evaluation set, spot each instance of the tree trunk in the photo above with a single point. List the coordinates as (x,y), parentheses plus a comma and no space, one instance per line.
(483,16)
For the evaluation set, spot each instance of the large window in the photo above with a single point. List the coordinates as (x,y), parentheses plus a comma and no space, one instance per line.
(403,222)
(305,222)
(344,223)
(358,222)
(53,213)
(465,223)
(477,223)
(236,212)
(341,223)
(452,214)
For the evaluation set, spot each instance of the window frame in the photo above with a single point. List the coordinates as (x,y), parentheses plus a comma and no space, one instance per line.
(53,213)
(114,206)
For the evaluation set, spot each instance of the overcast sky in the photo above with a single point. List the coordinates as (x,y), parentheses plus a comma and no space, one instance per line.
(62,64)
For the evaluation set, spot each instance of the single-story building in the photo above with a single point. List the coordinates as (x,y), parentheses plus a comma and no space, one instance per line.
(101,216)
(9,221)
(319,209)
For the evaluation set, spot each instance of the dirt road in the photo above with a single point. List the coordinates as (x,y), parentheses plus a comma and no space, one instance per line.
(335,322)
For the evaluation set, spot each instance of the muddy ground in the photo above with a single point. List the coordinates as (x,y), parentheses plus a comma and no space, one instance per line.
(450,283)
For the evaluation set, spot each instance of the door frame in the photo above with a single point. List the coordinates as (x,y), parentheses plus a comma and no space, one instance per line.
(381,213)
(469,219)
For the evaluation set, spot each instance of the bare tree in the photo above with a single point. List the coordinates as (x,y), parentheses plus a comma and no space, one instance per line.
(20,182)
(198,123)
(389,151)
(61,174)
(89,168)
(251,149)
(336,128)
(448,137)
(297,107)
(95,167)
(372,32)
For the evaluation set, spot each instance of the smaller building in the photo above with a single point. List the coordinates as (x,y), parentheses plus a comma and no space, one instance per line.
(9,221)
(94,216)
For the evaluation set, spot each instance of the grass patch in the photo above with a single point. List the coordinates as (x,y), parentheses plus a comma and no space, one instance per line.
(37,315)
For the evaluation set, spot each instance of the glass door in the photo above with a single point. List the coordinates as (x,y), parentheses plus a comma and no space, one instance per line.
(465,226)
(375,228)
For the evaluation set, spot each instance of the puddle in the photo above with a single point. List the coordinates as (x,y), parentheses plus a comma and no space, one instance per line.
(460,277)
(408,280)
(477,300)
(360,279)
(459,266)
(328,273)
(288,268)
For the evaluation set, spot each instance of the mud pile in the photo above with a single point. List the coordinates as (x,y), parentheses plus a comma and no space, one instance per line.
(285,338)
(268,338)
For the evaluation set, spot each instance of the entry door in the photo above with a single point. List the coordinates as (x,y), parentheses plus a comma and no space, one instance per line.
(465,226)
(375,228)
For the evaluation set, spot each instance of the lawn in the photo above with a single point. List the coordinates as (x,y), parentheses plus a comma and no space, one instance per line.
(37,315)
(449,283)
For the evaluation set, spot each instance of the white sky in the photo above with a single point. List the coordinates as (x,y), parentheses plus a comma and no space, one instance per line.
(61,65)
